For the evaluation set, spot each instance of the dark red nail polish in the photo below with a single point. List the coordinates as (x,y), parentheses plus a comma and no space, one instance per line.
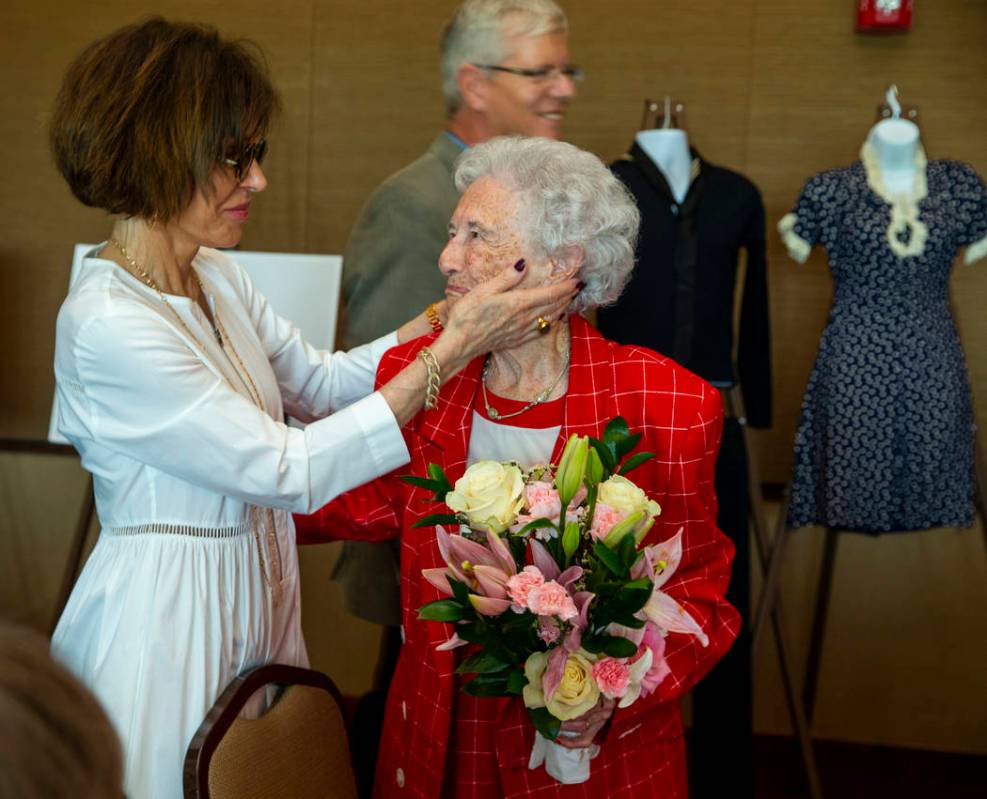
(580,286)
(519,265)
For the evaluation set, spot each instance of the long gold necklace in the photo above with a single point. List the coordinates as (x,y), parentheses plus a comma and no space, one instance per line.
(494,414)
(222,337)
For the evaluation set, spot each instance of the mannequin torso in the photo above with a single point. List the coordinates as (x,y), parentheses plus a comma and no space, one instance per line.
(896,143)
(668,148)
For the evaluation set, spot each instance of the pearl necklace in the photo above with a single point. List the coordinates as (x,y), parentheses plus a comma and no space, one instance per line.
(494,414)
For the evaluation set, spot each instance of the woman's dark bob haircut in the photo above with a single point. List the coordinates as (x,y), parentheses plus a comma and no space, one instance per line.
(146,114)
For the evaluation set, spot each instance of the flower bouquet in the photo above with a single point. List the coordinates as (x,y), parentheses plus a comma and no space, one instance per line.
(548,579)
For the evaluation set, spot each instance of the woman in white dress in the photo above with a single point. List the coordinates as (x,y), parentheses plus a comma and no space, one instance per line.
(174,377)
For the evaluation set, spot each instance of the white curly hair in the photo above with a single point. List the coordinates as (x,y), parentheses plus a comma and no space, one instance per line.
(568,198)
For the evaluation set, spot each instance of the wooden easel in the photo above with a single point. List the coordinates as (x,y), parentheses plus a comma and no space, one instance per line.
(769,594)
(765,555)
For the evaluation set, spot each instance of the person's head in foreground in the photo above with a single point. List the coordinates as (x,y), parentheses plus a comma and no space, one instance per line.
(55,740)
(506,69)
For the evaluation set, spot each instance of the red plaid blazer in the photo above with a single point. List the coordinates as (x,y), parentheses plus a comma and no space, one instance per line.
(642,754)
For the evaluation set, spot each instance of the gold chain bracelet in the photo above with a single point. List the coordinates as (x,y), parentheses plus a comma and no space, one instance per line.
(432,381)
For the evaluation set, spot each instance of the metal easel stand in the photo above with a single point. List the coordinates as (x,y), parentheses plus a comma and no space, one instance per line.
(770,559)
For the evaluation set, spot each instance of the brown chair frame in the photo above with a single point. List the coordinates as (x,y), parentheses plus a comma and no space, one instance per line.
(227,709)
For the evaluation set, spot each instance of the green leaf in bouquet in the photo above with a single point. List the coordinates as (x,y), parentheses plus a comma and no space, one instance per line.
(607,453)
(437,518)
(593,643)
(487,685)
(616,430)
(516,681)
(609,558)
(473,633)
(634,461)
(626,444)
(460,590)
(545,722)
(627,550)
(439,477)
(535,524)
(626,620)
(445,610)
(420,482)
(484,662)
(633,596)
(618,647)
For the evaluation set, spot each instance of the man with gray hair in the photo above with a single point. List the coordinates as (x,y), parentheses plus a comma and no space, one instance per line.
(505,70)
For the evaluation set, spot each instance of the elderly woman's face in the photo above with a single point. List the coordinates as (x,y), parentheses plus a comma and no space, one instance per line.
(485,238)
(216,218)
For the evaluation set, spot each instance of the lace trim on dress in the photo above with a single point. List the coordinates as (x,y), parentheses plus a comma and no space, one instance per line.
(976,251)
(182,529)
(798,248)
(904,206)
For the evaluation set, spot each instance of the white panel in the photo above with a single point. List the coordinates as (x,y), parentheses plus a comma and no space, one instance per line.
(302,288)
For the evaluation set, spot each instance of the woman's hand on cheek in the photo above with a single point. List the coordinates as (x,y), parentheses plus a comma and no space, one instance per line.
(496,315)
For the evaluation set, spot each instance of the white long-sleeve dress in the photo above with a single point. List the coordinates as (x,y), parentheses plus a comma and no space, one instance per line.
(194,578)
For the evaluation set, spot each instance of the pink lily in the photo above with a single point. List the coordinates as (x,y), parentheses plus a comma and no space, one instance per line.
(574,638)
(453,643)
(485,569)
(553,671)
(659,563)
(543,560)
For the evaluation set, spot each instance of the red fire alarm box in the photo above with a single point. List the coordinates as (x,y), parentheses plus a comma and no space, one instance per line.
(875,16)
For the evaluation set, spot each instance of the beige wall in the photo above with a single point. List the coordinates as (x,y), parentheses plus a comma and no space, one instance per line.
(776,89)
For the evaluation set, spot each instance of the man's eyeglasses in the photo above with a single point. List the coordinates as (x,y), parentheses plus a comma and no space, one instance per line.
(540,75)
(241,161)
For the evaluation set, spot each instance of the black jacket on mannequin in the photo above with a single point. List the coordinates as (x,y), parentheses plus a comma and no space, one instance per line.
(680,298)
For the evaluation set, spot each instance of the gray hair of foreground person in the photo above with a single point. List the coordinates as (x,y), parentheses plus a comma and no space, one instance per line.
(478,31)
(55,739)
(568,198)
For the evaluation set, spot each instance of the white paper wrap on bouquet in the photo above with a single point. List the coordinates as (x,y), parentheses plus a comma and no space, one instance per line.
(568,766)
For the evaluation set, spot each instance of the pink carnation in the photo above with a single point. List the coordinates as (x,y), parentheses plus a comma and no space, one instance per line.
(612,677)
(551,599)
(542,500)
(548,630)
(520,585)
(604,519)
(659,670)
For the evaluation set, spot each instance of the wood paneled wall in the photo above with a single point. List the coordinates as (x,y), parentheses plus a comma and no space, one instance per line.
(774,88)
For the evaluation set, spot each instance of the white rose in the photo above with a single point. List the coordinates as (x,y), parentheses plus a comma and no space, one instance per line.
(620,493)
(490,494)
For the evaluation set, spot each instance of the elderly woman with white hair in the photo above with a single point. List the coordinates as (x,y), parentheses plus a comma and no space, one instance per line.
(562,212)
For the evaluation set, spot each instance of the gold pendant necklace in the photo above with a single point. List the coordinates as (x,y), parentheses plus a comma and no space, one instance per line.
(142,273)
(494,414)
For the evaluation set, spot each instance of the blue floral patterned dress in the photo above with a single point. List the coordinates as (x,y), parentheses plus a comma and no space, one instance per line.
(885,440)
